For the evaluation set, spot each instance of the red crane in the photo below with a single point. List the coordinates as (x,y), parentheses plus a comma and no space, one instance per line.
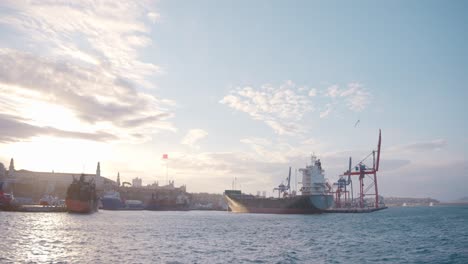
(362,171)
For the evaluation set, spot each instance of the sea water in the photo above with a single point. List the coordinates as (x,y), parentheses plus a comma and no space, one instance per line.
(437,234)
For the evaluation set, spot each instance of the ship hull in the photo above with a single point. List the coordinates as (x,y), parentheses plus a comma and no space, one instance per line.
(304,204)
(82,207)
(158,207)
(111,204)
(165,205)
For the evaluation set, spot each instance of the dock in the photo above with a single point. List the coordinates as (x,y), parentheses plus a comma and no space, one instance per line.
(41,209)
(353,210)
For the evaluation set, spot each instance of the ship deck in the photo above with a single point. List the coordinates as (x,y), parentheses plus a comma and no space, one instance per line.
(353,210)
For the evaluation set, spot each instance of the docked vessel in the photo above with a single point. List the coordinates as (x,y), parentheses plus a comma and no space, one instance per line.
(316,195)
(49,200)
(134,205)
(6,200)
(165,203)
(81,196)
(113,201)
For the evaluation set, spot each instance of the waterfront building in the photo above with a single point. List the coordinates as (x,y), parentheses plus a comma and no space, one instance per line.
(35,184)
(136,182)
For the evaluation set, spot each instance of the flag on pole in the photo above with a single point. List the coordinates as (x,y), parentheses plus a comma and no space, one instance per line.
(165,156)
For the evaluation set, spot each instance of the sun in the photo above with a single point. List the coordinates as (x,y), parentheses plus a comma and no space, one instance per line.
(58,154)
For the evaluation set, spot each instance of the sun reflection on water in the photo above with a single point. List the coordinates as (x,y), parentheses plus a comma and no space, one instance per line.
(41,237)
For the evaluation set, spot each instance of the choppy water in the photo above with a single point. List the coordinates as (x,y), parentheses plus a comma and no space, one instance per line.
(396,235)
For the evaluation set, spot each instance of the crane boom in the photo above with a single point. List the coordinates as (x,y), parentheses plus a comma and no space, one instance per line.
(378,150)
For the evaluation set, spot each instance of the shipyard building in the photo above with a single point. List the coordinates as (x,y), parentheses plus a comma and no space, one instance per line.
(33,185)
(29,186)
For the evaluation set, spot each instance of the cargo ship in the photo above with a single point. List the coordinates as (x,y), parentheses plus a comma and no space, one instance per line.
(81,196)
(316,195)
(165,203)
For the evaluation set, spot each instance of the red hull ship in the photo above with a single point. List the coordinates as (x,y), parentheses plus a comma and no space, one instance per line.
(81,196)
(6,200)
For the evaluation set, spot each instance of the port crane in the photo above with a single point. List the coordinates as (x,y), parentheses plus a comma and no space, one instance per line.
(341,189)
(283,188)
(361,170)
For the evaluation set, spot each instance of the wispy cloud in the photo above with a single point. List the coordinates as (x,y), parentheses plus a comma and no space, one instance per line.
(193,136)
(313,92)
(332,91)
(282,108)
(88,65)
(357,98)
(326,112)
(279,151)
(422,146)
(279,107)
(153,16)
(106,32)
(14,130)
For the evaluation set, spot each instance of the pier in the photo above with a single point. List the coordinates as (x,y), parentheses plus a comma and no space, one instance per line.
(354,210)
(40,209)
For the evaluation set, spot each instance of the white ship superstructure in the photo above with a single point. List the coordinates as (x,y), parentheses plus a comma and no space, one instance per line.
(313,178)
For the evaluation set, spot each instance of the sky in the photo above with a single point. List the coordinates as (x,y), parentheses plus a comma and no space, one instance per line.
(237,91)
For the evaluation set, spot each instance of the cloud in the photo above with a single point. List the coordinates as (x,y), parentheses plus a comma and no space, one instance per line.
(104,31)
(88,66)
(439,180)
(423,146)
(193,136)
(326,112)
(393,164)
(279,107)
(265,151)
(279,151)
(332,91)
(313,92)
(357,98)
(13,130)
(282,108)
(153,17)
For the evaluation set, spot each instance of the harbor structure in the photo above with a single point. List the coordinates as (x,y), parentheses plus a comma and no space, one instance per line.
(368,193)
(156,197)
(32,185)
(317,195)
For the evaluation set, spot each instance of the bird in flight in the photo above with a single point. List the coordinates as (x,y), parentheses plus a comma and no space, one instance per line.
(357,122)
